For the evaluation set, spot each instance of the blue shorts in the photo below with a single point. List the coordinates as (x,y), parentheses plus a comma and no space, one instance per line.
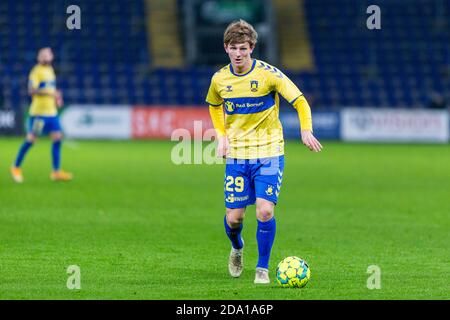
(43,125)
(246,180)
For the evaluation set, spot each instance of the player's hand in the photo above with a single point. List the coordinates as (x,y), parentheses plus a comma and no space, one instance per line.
(59,99)
(310,141)
(222,147)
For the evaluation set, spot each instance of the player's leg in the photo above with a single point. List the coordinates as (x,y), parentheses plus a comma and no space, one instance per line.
(58,174)
(233,223)
(265,236)
(268,178)
(34,128)
(56,136)
(56,150)
(238,194)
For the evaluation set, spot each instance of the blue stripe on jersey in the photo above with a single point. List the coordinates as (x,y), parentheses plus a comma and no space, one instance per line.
(47,84)
(211,104)
(291,102)
(247,105)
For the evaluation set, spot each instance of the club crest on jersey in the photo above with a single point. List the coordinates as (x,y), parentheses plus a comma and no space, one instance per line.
(269,190)
(253,85)
(229,89)
(229,106)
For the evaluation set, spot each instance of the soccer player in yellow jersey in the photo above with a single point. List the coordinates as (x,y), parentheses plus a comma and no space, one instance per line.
(43,115)
(251,139)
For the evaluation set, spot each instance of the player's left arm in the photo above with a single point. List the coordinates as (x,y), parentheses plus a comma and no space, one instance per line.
(291,93)
(304,115)
(59,98)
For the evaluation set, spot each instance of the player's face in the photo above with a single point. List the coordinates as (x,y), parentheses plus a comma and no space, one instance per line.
(239,54)
(45,56)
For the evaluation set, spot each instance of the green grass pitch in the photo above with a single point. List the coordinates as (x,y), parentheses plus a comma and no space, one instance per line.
(140,227)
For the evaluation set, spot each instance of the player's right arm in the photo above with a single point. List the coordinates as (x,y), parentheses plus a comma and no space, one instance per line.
(216,113)
(215,102)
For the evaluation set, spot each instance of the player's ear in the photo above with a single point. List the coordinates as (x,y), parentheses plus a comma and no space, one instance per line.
(225,46)
(252,46)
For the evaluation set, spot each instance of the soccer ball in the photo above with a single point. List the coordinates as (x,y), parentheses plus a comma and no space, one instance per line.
(293,272)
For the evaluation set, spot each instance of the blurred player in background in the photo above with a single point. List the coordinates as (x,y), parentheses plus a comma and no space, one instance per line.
(43,116)
(251,138)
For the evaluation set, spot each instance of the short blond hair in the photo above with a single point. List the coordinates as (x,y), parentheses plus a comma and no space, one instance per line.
(240,31)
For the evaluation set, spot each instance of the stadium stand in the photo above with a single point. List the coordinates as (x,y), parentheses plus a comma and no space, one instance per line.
(108,61)
(101,63)
(397,66)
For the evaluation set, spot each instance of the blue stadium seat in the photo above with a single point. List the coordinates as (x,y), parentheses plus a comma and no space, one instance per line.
(409,46)
(107,62)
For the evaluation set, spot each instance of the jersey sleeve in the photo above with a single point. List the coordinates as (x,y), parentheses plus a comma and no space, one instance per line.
(33,79)
(284,86)
(213,98)
(304,113)
(217,119)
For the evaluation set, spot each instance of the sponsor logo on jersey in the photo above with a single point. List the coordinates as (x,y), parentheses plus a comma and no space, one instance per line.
(231,198)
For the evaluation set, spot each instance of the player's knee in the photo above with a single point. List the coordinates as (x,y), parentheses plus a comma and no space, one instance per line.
(234,217)
(56,136)
(31,138)
(264,212)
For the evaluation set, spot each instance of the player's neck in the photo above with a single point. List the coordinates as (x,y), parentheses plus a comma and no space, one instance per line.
(244,68)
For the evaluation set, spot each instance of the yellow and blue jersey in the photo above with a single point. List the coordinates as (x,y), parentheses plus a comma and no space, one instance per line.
(251,105)
(43,77)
